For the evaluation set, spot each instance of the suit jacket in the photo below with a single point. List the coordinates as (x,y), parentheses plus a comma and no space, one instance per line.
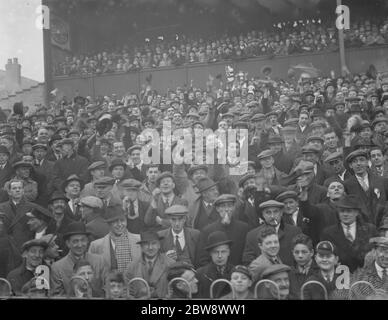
(19,277)
(191,242)
(138,225)
(286,233)
(150,216)
(323,173)
(137,174)
(208,274)
(15,221)
(196,210)
(316,193)
(373,201)
(6,174)
(247,213)
(258,266)
(337,178)
(103,247)
(46,169)
(157,280)
(62,271)
(353,253)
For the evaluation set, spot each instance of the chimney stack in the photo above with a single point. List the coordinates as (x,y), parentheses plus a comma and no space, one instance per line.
(13,77)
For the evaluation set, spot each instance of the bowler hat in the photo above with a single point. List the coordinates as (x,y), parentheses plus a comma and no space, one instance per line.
(114,213)
(349,202)
(75,228)
(58,195)
(196,167)
(217,238)
(34,243)
(149,236)
(40,213)
(117,163)
(204,184)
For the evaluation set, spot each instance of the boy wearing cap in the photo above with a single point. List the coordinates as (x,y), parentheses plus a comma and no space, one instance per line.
(179,242)
(241,280)
(327,260)
(152,266)
(32,253)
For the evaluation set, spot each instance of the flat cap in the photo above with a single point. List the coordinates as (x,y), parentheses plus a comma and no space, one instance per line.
(130,184)
(4,149)
(227,115)
(133,148)
(334,156)
(275,269)
(245,178)
(355,154)
(379,241)
(317,124)
(272,113)
(310,149)
(117,163)
(97,165)
(275,139)
(271,204)
(71,178)
(21,164)
(39,146)
(163,175)
(34,243)
(378,120)
(286,195)
(223,198)
(313,138)
(91,202)
(258,117)
(177,210)
(104,181)
(195,167)
(67,141)
(242,269)
(265,154)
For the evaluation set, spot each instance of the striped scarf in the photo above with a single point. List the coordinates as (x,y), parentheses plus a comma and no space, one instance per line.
(123,251)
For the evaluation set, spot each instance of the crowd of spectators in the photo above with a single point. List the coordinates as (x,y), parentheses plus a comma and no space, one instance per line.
(284,39)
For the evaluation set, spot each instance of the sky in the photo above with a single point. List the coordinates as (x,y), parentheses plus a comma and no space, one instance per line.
(20,38)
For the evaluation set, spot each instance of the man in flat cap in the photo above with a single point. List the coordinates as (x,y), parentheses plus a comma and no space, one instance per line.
(227,222)
(119,246)
(97,170)
(32,253)
(336,161)
(23,172)
(103,190)
(351,235)
(42,165)
(269,172)
(134,208)
(283,161)
(40,222)
(70,163)
(202,212)
(152,172)
(179,288)
(163,197)
(92,216)
(272,213)
(152,266)
(218,247)
(370,189)
(72,187)
(179,242)
(76,239)
(379,163)
(278,273)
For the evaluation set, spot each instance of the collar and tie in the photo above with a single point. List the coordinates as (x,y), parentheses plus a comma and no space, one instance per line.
(221,270)
(275,260)
(178,244)
(348,234)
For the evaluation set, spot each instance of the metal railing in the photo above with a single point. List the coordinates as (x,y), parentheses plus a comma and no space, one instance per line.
(219,281)
(170,290)
(263,282)
(368,284)
(302,297)
(145,284)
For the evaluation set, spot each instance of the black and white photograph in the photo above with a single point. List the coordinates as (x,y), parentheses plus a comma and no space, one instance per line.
(210,151)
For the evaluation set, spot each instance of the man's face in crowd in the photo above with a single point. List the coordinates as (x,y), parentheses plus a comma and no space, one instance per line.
(118,149)
(118,226)
(331,140)
(34,224)
(225,210)
(273,120)
(102,192)
(326,261)
(377,158)
(366,133)
(43,135)
(359,165)
(267,162)
(290,205)
(150,248)
(3,158)
(348,215)
(189,275)
(211,194)
(382,256)
(67,148)
(240,282)
(73,189)
(16,190)
(220,255)
(381,127)
(39,154)
(177,223)
(311,157)
(167,185)
(75,137)
(272,216)
(152,174)
(302,254)
(97,173)
(23,172)
(58,208)
(335,190)
(270,245)
(77,244)
(306,178)
(6,143)
(118,172)
(197,174)
(283,282)
(316,143)
(337,165)
(275,147)
(135,157)
(34,256)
